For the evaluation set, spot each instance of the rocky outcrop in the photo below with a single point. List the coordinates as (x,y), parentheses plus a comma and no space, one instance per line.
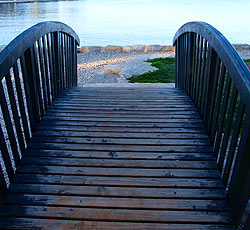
(128,49)
(239,47)
(112,49)
(136,66)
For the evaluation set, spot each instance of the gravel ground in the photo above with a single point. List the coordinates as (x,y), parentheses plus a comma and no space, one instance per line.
(91,65)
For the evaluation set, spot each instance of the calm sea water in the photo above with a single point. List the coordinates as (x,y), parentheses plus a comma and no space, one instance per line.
(127,22)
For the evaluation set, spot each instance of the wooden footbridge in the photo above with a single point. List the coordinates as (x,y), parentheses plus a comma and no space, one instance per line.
(124,158)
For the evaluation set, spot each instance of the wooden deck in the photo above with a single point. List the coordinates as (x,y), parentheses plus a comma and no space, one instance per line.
(118,158)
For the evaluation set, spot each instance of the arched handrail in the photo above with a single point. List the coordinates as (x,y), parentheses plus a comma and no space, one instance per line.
(218,81)
(34,68)
(26,39)
(231,59)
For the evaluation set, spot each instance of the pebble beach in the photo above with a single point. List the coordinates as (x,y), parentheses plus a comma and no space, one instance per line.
(92,64)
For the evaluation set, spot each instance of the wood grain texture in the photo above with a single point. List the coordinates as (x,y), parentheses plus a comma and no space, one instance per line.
(118,167)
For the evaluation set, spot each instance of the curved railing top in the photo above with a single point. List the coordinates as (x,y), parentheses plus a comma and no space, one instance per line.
(230,57)
(23,41)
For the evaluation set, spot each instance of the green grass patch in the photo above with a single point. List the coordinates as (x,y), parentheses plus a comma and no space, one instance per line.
(247,61)
(164,74)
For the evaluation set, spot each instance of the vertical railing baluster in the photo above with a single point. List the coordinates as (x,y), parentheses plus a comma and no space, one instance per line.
(206,76)
(9,125)
(31,77)
(227,130)
(13,105)
(195,65)
(215,121)
(191,47)
(54,46)
(202,75)
(74,63)
(177,56)
(20,98)
(70,63)
(46,68)
(37,83)
(185,62)
(5,154)
(3,185)
(59,62)
(197,99)
(211,83)
(51,65)
(44,88)
(28,92)
(63,85)
(211,97)
(234,141)
(222,116)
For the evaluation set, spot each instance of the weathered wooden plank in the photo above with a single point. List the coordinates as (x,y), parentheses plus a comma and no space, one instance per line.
(58,113)
(34,223)
(121,119)
(127,108)
(91,154)
(123,111)
(117,214)
(121,191)
(111,202)
(119,163)
(130,129)
(102,101)
(125,141)
(121,172)
(117,147)
(166,135)
(118,181)
(123,124)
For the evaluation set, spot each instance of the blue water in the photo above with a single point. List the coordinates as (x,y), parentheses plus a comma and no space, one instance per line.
(127,22)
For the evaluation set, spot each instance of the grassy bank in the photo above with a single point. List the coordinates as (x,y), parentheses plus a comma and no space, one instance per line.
(164,74)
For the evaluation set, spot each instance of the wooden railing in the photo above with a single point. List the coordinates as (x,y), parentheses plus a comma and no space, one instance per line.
(210,70)
(34,68)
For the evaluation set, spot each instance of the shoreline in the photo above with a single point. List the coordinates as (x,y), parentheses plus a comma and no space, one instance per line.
(25,1)
(242,49)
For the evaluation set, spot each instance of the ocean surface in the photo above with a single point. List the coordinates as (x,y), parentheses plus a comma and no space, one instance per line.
(128,22)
